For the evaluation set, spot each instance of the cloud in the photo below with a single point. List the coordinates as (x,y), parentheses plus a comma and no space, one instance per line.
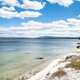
(74,21)
(32,5)
(6,12)
(35,29)
(77,0)
(24,14)
(39,25)
(8,9)
(27,4)
(78,16)
(65,3)
(10,2)
(10,12)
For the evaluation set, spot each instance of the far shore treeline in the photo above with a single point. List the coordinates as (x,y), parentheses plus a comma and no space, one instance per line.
(42,37)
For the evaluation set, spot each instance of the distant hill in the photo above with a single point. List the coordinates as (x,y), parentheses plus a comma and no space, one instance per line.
(51,37)
(42,37)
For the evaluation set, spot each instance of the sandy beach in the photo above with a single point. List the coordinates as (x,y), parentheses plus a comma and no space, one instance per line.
(57,64)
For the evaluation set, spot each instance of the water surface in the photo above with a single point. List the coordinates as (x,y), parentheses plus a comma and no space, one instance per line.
(17,56)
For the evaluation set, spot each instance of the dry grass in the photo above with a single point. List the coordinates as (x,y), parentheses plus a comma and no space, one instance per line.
(75,65)
(58,74)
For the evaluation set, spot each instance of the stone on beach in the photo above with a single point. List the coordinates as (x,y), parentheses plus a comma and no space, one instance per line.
(40,58)
(77,58)
(78,43)
(78,46)
(68,57)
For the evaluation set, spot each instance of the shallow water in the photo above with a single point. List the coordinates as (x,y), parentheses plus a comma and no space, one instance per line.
(17,56)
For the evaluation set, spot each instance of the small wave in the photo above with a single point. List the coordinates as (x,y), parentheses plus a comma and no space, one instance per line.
(7,49)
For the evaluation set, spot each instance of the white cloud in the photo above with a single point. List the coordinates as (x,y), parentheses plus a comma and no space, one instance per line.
(10,2)
(24,14)
(7,13)
(32,23)
(27,4)
(74,21)
(32,5)
(9,9)
(36,29)
(77,0)
(78,16)
(39,25)
(65,3)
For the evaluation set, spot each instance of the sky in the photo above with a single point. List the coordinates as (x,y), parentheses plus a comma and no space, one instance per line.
(35,18)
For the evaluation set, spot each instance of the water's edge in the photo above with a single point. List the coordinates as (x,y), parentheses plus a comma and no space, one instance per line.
(39,68)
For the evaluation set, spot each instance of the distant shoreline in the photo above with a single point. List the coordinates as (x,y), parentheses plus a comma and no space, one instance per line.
(40,38)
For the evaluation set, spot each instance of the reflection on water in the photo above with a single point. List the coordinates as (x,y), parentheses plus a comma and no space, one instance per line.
(17,56)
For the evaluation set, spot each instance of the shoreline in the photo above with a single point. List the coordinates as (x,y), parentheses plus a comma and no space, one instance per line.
(53,67)
(34,71)
(41,70)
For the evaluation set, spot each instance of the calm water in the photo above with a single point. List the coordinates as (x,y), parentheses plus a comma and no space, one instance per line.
(17,56)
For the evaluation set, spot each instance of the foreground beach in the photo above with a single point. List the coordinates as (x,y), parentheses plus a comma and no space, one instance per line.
(59,64)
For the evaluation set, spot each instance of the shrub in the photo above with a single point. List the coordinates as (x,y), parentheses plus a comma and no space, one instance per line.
(58,74)
(75,64)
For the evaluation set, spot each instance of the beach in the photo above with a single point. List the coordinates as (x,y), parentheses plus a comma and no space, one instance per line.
(41,73)
(56,64)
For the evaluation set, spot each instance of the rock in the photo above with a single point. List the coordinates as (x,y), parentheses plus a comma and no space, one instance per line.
(67,66)
(40,58)
(78,43)
(68,57)
(34,73)
(23,78)
(78,47)
(77,58)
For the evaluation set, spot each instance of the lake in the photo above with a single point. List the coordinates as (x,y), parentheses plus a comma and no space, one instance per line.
(17,56)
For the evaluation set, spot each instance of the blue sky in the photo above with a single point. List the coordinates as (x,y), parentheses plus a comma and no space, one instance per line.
(34,18)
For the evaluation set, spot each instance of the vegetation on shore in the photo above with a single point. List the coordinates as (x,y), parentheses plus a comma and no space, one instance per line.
(58,74)
(75,65)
